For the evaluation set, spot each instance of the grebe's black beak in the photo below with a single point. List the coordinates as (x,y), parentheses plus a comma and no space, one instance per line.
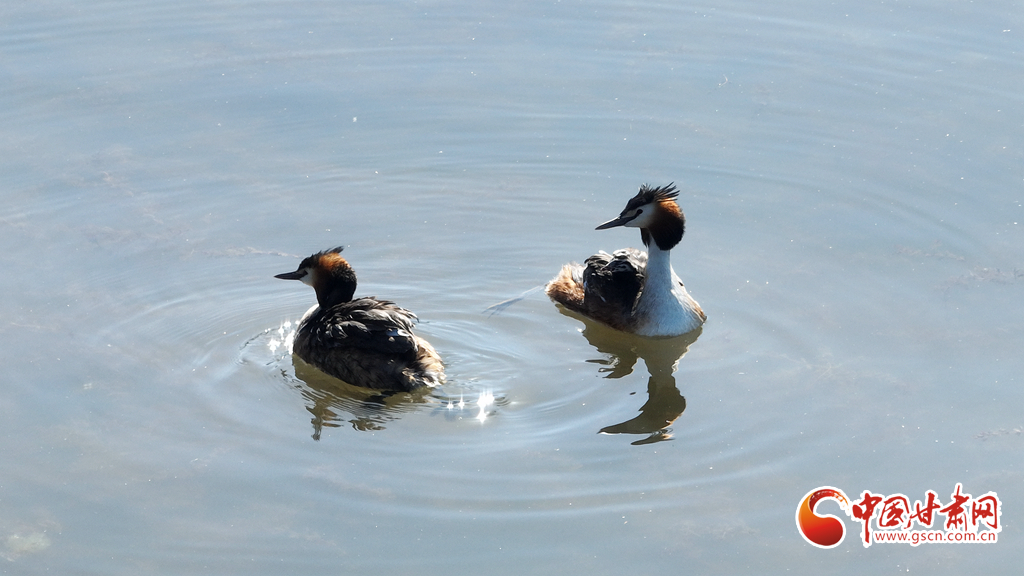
(620,221)
(297,275)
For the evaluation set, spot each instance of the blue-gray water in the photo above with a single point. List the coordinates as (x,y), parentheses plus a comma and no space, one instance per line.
(852,176)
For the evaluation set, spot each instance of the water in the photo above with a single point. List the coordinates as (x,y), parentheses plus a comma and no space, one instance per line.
(852,180)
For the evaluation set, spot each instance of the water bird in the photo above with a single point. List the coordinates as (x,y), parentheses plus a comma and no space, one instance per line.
(364,341)
(631,290)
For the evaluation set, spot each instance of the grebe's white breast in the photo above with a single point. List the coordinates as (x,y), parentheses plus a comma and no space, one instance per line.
(664,308)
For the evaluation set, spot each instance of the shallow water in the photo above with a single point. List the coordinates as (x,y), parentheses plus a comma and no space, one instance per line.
(852,179)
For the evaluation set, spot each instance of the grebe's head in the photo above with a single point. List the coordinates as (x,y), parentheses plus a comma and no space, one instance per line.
(329,274)
(656,213)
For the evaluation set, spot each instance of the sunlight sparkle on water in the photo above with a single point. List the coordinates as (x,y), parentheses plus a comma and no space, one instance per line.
(486,399)
(285,337)
(453,405)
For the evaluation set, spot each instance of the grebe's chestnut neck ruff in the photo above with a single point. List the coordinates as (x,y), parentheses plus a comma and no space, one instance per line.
(363,341)
(628,289)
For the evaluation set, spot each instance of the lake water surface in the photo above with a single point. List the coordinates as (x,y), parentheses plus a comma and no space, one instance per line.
(852,176)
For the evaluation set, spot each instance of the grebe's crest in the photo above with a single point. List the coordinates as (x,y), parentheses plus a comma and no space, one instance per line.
(648,195)
(324,253)
(328,259)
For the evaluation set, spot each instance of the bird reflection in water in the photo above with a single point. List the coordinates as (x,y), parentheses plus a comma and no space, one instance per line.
(328,399)
(331,401)
(664,403)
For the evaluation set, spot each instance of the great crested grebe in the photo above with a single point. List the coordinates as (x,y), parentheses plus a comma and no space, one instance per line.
(628,289)
(365,342)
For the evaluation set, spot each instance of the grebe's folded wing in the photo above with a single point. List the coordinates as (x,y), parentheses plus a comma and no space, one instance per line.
(368,324)
(616,278)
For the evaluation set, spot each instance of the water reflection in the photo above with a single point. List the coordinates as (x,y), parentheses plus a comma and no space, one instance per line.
(331,401)
(665,403)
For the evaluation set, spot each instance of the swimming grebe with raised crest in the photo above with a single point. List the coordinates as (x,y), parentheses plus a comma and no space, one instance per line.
(630,290)
(363,341)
